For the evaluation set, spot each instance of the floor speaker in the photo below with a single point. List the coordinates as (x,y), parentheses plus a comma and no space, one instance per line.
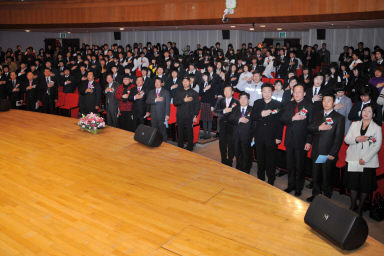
(343,227)
(148,135)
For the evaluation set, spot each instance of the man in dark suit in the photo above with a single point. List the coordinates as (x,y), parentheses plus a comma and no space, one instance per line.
(297,115)
(281,63)
(173,83)
(223,109)
(240,117)
(112,104)
(16,90)
(138,96)
(159,102)
(288,92)
(4,89)
(91,92)
(328,135)
(188,107)
(148,83)
(67,81)
(117,77)
(48,92)
(267,132)
(30,86)
(366,98)
(292,63)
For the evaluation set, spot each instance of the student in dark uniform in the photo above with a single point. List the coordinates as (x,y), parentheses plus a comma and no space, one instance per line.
(223,109)
(267,132)
(68,81)
(240,117)
(328,134)
(297,115)
(188,108)
(16,91)
(111,103)
(207,93)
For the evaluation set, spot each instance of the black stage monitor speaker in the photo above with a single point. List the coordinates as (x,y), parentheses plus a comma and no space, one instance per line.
(226,34)
(117,35)
(343,227)
(4,105)
(321,34)
(148,135)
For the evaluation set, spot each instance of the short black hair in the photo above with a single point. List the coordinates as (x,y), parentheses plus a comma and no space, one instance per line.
(267,85)
(244,94)
(330,95)
(297,85)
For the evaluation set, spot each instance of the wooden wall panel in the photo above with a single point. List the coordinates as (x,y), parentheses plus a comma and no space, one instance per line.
(98,13)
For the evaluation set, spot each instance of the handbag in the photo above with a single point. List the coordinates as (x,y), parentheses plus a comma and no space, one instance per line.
(377,210)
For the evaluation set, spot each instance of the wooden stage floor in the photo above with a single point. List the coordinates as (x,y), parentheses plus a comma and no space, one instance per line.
(68,192)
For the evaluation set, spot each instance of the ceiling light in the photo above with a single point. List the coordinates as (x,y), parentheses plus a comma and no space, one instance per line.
(252,29)
(69,32)
(121,29)
(27,30)
(233,26)
(262,26)
(279,29)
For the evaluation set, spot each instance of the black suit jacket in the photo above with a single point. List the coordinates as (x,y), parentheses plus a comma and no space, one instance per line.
(44,92)
(267,129)
(226,126)
(297,134)
(327,142)
(243,131)
(186,110)
(318,105)
(139,106)
(71,84)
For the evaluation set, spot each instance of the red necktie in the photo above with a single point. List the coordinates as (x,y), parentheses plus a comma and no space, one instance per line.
(297,108)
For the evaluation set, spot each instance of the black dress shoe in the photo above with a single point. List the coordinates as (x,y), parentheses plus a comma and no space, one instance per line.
(310,199)
(289,190)
(297,193)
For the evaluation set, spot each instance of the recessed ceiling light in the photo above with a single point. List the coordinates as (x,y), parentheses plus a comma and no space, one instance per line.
(279,29)
(69,32)
(332,24)
(121,29)
(233,26)
(252,29)
(262,26)
(27,30)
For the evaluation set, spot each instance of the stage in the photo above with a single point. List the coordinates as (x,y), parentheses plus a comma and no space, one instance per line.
(68,192)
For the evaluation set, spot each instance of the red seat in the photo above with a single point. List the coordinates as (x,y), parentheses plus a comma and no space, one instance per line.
(273,80)
(196,131)
(236,95)
(265,80)
(299,72)
(71,104)
(172,114)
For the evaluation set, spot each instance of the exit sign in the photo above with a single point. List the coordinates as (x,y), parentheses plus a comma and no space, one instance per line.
(63,35)
(282,34)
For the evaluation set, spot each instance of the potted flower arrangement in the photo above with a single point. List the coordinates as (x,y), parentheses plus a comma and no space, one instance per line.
(91,123)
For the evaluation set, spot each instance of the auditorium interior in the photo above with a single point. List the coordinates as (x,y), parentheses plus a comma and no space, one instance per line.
(191,127)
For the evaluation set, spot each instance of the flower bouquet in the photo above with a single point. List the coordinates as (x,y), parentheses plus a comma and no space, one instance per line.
(91,123)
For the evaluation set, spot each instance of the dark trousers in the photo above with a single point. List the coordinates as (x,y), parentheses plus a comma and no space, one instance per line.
(266,161)
(137,120)
(112,116)
(48,106)
(159,124)
(323,178)
(227,147)
(295,166)
(126,121)
(185,125)
(243,154)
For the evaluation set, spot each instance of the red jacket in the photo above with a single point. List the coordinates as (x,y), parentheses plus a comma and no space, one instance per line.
(125,105)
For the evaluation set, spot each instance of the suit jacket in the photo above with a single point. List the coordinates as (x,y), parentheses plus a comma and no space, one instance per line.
(226,126)
(110,99)
(355,113)
(139,106)
(159,109)
(4,87)
(68,83)
(186,110)
(44,92)
(243,131)
(365,150)
(169,83)
(297,134)
(292,67)
(90,100)
(267,129)
(318,105)
(31,94)
(287,96)
(327,142)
